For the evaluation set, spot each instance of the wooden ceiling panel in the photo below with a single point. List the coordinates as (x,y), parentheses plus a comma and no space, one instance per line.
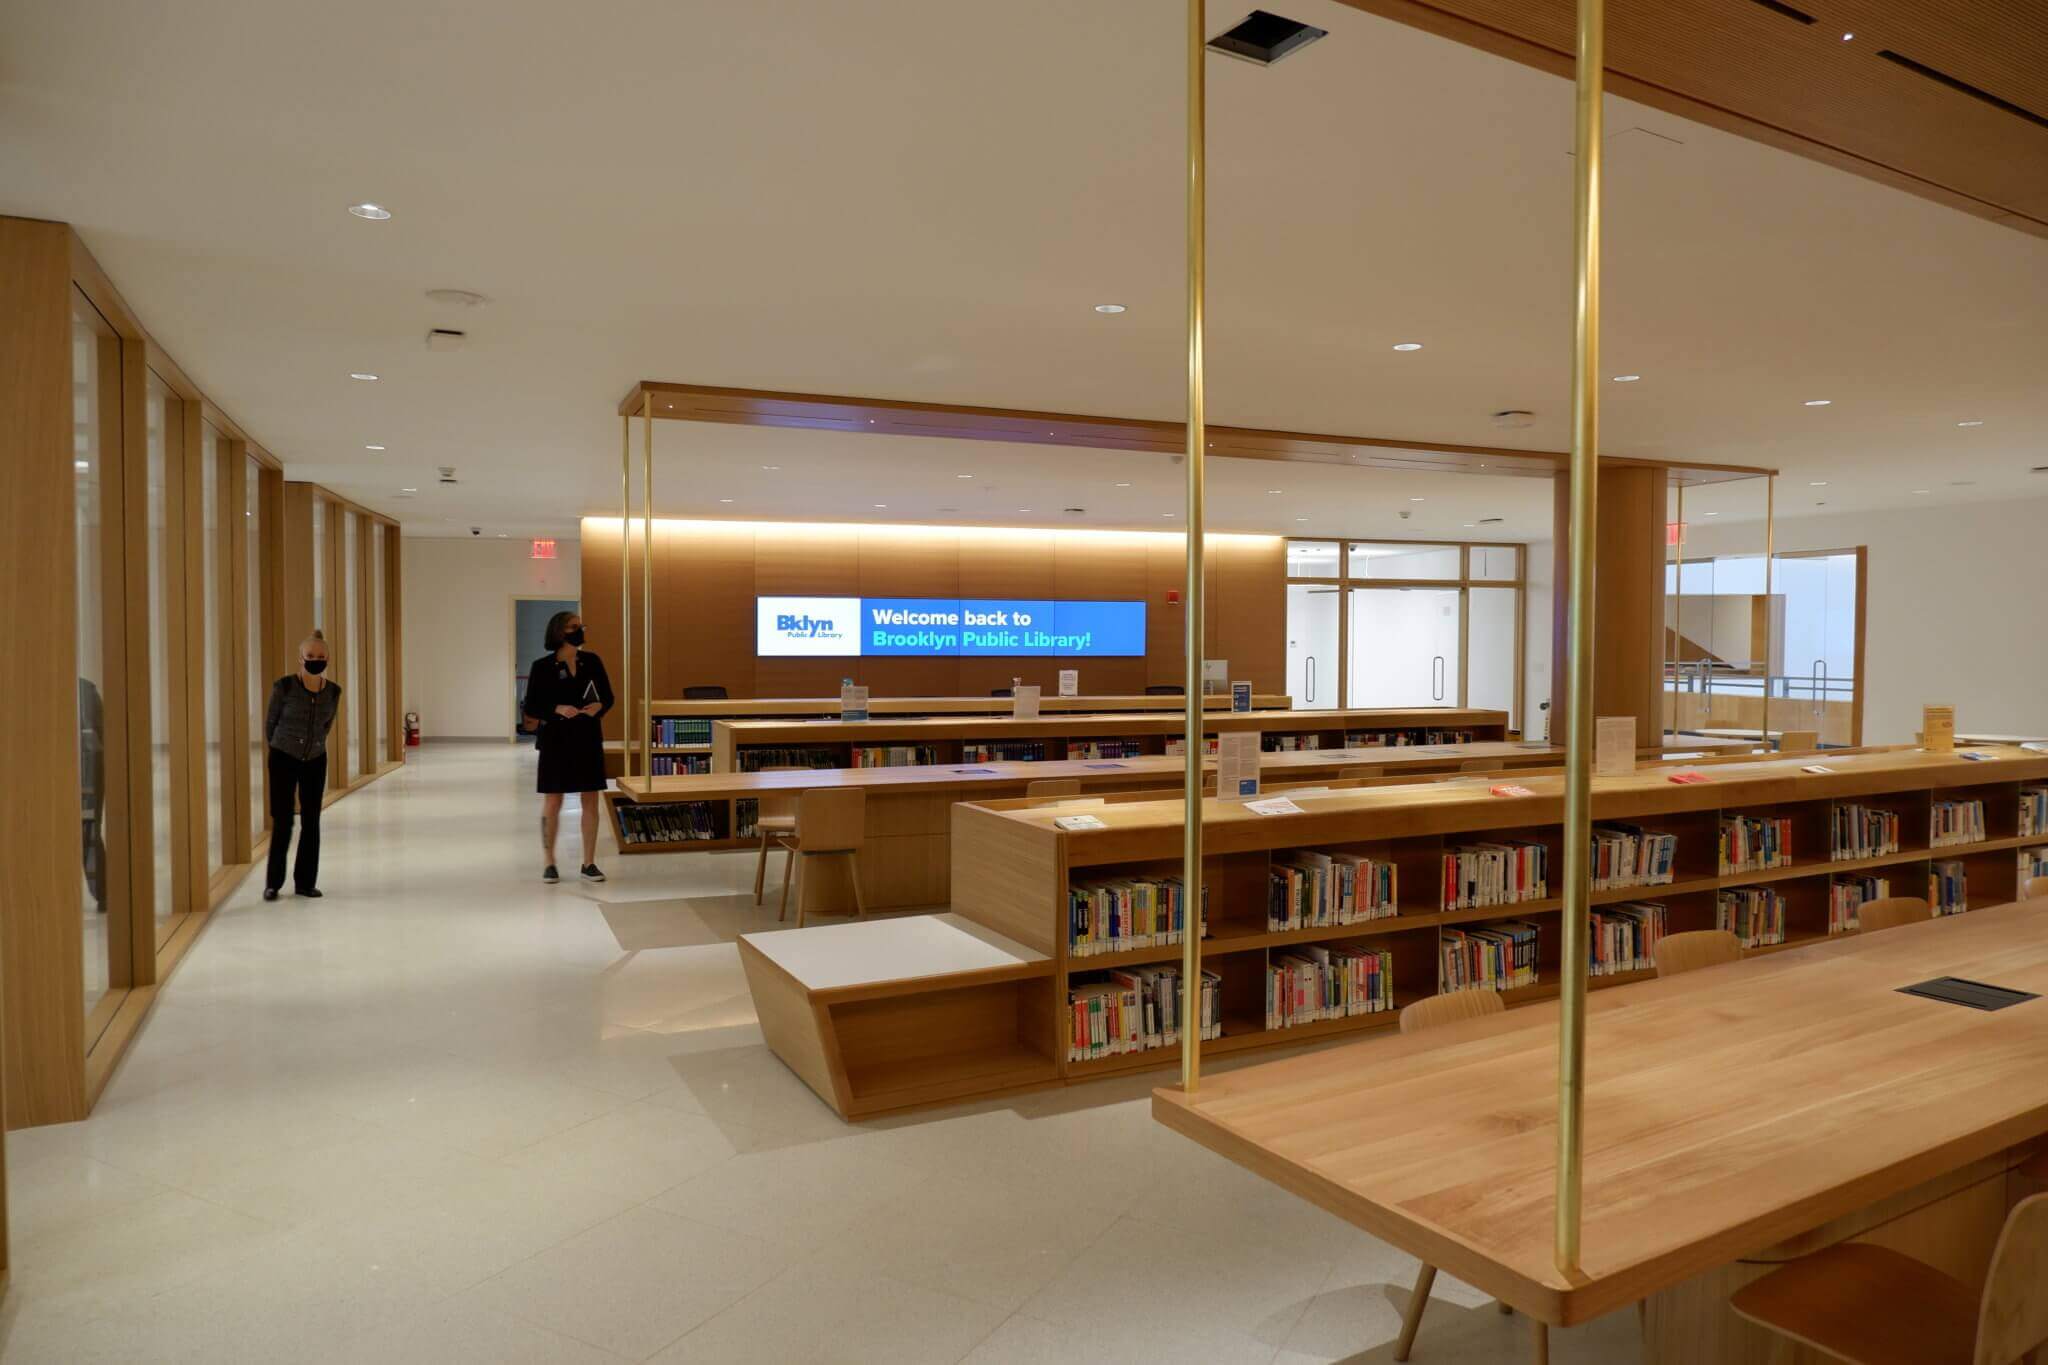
(1949,101)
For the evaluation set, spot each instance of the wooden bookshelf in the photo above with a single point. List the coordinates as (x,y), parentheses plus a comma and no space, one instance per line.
(769,708)
(1012,866)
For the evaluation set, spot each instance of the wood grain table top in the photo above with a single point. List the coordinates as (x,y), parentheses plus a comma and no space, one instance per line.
(1726,1110)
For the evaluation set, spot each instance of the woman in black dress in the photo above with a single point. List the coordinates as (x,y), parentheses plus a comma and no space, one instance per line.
(567,694)
(302,709)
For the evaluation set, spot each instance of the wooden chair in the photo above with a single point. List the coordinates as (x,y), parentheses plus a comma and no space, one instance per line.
(831,822)
(1053,786)
(1798,741)
(1701,948)
(2033,888)
(1891,912)
(1434,1012)
(1165,690)
(1002,691)
(1870,1305)
(774,816)
(704,692)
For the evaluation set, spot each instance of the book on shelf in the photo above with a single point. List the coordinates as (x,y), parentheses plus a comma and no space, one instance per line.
(1478,875)
(1755,843)
(1754,914)
(754,758)
(681,730)
(1288,744)
(1948,889)
(1625,937)
(1117,914)
(2033,811)
(1848,895)
(1315,982)
(1401,739)
(1955,822)
(1494,957)
(1002,751)
(1178,745)
(670,765)
(894,755)
(1307,889)
(670,822)
(1864,832)
(1105,748)
(1629,855)
(1137,1010)
(2033,862)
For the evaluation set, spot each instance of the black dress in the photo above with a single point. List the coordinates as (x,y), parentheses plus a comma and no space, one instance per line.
(571,747)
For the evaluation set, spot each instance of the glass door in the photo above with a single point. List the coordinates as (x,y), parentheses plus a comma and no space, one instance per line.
(1404,646)
(1312,644)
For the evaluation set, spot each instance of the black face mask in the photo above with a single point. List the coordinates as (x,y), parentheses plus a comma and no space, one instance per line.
(314,666)
(574,637)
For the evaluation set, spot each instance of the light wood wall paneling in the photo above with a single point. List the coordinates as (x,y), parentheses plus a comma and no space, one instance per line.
(1628,596)
(235,645)
(394,640)
(368,659)
(297,506)
(598,570)
(43,1044)
(132,919)
(118,689)
(274,639)
(186,644)
(334,581)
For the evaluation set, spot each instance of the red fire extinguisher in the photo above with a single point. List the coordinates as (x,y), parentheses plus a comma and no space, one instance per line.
(412,729)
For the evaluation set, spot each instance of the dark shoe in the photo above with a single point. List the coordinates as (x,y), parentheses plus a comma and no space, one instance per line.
(591,874)
(270,893)
(312,895)
(551,876)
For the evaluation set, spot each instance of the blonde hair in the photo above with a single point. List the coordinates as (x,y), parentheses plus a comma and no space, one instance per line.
(315,637)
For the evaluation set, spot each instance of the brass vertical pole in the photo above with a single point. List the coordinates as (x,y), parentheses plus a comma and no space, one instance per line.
(1578,804)
(625,595)
(1770,606)
(647,595)
(1191,789)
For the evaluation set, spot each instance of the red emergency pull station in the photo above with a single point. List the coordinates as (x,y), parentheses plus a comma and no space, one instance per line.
(1173,597)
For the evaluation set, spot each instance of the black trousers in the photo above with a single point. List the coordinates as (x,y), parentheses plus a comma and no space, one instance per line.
(300,785)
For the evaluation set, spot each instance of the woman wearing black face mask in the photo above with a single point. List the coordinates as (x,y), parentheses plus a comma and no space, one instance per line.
(302,709)
(567,694)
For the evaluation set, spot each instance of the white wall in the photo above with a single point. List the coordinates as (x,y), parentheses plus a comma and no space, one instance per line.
(1540,570)
(458,627)
(1950,618)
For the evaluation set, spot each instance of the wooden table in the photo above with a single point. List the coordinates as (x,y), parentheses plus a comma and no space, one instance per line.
(740,708)
(1734,1117)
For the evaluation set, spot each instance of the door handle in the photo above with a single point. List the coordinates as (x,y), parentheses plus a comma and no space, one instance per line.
(1311,679)
(1437,675)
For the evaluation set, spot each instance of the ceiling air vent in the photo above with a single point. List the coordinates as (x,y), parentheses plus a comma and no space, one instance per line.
(1265,38)
(1797,15)
(1491,521)
(1943,78)
(445,339)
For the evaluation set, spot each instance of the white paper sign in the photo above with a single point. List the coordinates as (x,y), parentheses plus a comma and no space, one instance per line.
(1026,699)
(1078,822)
(1070,682)
(1273,805)
(1215,677)
(1237,763)
(853,702)
(1614,745)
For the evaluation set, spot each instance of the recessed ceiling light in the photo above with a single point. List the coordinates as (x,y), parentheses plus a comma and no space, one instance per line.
(1023,509)
(408,490)
(1470,525)
(366,378)
(1109,308)
(771,468)
(1407,345)
(81,465)
(1276,490)
(1711,514)
(373,447)
(1301,518)
(1123,485)
(376,213)
(1819,402)
(1818,483)
(1962,483)
(725,499)
(504,535)
(1415,499)
(1847,37)
(881,504)
(1920,490)
(1167,515)
(1969,424)
(963,476)
(1626,378)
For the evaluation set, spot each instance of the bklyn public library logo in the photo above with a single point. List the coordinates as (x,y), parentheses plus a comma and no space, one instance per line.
(805,626)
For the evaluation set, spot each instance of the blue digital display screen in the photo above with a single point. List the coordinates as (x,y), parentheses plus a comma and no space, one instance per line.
(929,627)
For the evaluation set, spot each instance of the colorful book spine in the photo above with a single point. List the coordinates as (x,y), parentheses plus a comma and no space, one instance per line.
(670,822)
(1495,957)
(670,765)
(1288,744)
(894,755)
(1846,898)
(1124,913)
(757,757)
(1479,875)
(1861,832)
(1628,855)
(1948,889)
(1755,843)
(1754,914)
(673,730)
(1106,748)
(1403,739)
(1624,938)
(1134,1011)
(1314,983)
(1955,822)
(2033,862)
(2033,811)
(1306,889)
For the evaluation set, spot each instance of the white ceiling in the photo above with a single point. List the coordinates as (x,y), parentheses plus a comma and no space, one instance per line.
(924,200)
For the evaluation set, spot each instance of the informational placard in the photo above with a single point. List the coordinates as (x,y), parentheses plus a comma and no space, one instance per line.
(1215,677)
(1240,696)
(948,627)
(1237,763)
(853,702)
(1273,805)
(1614,745)
(1938,729)
(1070,682)
(1024,702)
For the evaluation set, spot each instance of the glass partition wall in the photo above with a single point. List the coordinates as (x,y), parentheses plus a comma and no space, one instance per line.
(1395,623)
(95,418)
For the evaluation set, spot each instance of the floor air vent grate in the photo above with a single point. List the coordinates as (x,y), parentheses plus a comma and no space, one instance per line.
(1954,990)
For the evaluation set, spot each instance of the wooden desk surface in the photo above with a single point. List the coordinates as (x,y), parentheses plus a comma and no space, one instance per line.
(745,707)
(1726,1110)
(913,729)
(1150,770)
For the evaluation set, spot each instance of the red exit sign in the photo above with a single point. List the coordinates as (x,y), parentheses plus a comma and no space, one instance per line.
(1674,533)
(543,549)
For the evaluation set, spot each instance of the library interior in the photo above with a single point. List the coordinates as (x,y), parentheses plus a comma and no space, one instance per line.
(1473,550)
